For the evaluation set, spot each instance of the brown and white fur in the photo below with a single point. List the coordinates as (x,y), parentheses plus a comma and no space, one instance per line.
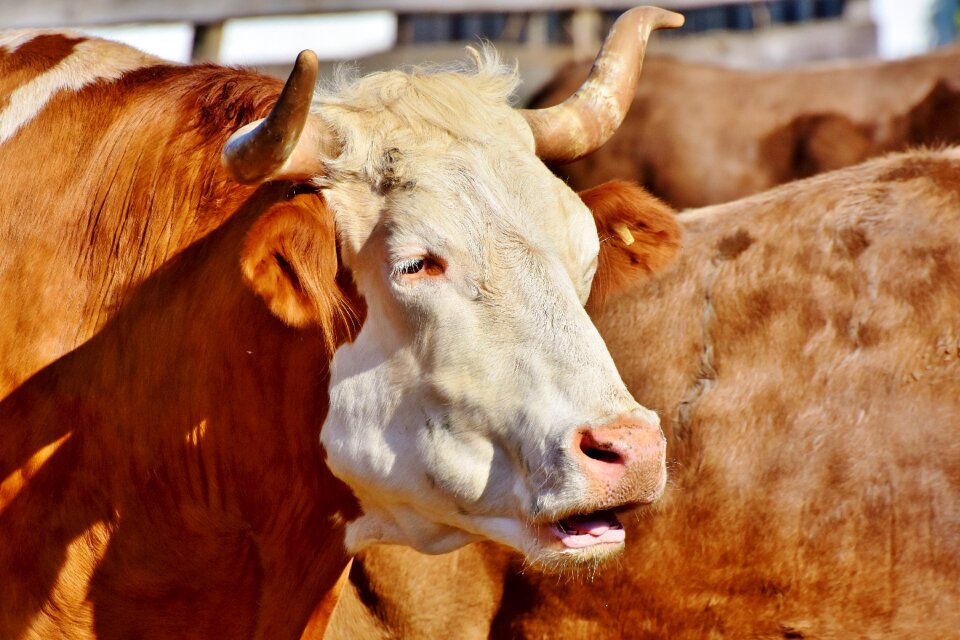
(167,338)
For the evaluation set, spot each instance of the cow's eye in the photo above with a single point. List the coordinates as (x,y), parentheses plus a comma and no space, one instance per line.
(420,267)
(409,267)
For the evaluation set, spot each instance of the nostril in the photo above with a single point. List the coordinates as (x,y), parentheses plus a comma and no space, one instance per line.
(603,456)
(599,451)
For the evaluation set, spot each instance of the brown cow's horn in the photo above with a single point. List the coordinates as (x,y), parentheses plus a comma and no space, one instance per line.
(289,142)
(586,120)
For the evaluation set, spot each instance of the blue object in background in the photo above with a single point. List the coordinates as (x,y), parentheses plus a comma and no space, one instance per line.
(470,26)
(945,15)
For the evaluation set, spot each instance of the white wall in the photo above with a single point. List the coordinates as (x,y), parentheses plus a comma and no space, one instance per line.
(904,27)
(274,40)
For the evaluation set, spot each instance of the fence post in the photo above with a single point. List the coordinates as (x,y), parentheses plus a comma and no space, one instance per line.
(206,42)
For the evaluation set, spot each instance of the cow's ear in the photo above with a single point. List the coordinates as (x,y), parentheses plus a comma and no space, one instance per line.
(814,143)
(289,259)
(638,236)
(925,123)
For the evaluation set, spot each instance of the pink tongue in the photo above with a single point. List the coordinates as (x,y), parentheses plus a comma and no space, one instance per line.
(593,527)
(586,531)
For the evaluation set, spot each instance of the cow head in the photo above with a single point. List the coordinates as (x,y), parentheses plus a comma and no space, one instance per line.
(477,400)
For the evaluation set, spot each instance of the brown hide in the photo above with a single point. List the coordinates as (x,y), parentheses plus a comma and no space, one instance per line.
(699,134)
(160,469)
(803,352)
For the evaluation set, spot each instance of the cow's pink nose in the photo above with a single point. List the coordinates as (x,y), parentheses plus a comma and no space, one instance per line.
(623,460)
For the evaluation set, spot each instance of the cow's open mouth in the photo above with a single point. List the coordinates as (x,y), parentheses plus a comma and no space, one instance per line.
(588,530)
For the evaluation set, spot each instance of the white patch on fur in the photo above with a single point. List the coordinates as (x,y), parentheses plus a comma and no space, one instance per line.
(452,414)
(90,61)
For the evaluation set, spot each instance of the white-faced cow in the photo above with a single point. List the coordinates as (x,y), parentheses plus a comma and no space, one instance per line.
(700,134)
(389,260)
(803,352)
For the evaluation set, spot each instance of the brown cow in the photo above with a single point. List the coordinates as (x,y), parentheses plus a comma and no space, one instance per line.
(390,261)
(804,355)
(700,134)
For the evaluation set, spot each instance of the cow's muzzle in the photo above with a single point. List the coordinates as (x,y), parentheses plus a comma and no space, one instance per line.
(623,462)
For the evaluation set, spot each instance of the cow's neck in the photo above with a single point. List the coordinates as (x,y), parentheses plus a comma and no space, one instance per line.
(188,484)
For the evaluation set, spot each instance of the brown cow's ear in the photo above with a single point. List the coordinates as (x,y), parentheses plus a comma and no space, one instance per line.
(289,259)
(814,143)
(925,122)
(638,236)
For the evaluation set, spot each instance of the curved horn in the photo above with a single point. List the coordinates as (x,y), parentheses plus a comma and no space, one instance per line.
(287,144)
(582,123)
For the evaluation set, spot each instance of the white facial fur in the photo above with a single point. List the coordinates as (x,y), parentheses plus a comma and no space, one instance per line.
(453,412)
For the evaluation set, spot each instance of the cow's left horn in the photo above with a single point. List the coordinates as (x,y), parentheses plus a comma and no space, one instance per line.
(585,121)
(289,143)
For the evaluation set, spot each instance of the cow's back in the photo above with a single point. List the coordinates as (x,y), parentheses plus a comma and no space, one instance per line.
(804,355)
(811,377)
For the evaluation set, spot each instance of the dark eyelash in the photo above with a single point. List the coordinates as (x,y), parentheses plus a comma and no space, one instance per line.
(410,267)
(301,188)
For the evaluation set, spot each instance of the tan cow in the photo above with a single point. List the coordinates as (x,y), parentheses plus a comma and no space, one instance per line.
(803,353)
(387,267)
(700,134)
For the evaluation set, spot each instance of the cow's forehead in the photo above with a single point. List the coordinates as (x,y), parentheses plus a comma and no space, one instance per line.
(411,107)
(438,130)
(445,157)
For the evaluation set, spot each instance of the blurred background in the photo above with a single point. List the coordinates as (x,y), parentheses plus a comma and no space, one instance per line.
(540,35)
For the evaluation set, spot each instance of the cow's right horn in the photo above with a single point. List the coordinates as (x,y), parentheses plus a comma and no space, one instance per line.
(290,143)
(582,123)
